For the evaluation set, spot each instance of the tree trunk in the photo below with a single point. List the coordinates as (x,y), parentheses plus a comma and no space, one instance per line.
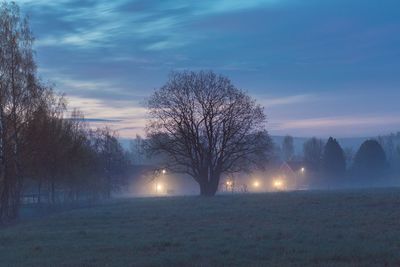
(209,188)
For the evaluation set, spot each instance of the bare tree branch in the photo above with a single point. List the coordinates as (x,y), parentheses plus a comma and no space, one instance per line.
(206,127)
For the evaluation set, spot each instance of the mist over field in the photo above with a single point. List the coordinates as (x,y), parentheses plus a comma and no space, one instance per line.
(199,133)
(346,228)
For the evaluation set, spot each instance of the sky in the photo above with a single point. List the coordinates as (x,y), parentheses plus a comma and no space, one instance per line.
(319,67)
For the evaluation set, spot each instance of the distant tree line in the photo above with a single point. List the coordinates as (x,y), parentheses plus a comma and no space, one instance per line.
(40,147)
(199,124)
(328,163)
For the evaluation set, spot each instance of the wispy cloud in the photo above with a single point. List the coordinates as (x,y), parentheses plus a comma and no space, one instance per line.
(339,126)
(154,25)
(346,121)
(226,6)
(96,120)
(288,100)
(108,55)
(126,117)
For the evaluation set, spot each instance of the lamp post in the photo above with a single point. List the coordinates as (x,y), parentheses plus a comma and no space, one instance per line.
(158,185)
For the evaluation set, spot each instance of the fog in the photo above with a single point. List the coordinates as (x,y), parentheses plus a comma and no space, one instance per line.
(362,163)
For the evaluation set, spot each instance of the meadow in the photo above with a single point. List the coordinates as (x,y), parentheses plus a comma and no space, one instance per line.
(315,228)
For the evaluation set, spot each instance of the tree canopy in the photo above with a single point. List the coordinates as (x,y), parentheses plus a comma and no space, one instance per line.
(313,150)
(370,159)
(206,127)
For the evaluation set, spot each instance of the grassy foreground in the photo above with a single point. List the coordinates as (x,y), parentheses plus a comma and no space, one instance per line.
(346,228)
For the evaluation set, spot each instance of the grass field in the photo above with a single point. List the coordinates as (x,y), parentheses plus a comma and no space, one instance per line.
(348,228)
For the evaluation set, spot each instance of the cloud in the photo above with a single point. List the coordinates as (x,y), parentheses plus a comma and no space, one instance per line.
(102,88)
(102,23)
(288,100)
(339,126)
(112,109)
(126,117)
(341,121)
(99,120)
(108,55)
(226,6)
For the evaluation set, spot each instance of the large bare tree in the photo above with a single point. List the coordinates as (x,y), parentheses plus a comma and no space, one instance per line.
(206,127)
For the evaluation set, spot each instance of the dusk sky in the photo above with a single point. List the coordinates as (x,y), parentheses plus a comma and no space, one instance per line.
(320,67)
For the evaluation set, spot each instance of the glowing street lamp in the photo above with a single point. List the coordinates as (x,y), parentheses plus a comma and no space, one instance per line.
(158,173)
(278,184)
(229,185)
(256,184)
(302,169)
(159,187)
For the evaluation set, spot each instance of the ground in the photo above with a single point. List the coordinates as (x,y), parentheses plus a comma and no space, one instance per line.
(317,228)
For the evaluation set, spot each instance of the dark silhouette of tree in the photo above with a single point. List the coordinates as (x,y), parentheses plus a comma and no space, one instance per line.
(37,142)
(44,143)
(390,144)
(205,127)
(287,148)
(20,95)
(370,160)
(333,160)
(313,150)
(136,150)
(112,158)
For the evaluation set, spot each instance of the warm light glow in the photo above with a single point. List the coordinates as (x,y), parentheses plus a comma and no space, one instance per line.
(278,184)
(159,187)
(164,171)
(303,169)
(256,184)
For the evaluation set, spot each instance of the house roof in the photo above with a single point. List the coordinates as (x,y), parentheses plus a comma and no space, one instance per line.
(291,167)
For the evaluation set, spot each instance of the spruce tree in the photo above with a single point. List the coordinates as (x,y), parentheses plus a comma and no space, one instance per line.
(333,160)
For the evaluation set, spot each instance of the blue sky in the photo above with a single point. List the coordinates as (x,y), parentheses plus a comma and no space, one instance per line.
(320,67)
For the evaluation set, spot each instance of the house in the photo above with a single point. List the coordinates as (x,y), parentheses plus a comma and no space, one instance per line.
(290,176)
